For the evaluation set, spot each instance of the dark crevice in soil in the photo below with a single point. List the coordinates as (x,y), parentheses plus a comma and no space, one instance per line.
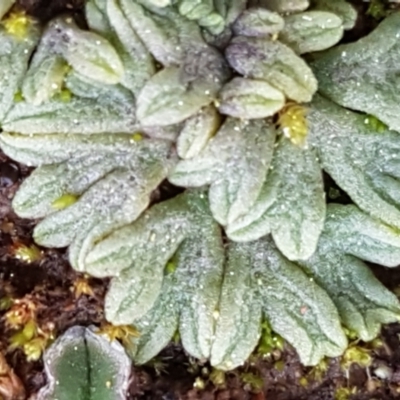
(44,10)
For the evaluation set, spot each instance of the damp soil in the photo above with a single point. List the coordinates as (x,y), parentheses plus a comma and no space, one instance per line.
(48,283)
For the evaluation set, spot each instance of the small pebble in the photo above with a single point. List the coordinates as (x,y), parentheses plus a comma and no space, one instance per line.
(383,372)
(9,174)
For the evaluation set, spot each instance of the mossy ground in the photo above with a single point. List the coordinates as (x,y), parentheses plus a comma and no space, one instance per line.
(49,282)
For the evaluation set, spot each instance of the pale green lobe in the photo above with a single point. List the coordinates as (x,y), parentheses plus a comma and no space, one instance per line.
(100,61)
(232,193)
(138,63)
(291,204)
(47,69)
(300,208)
(14,58)
(90,54)
(166,99)
(44,79)
(250,99)
(222,6)
(274,62)
(151,231)
(286,6)
(135,199)
(351,231)
(164,42)
(258,22)
(96,205)
(200,262)
(195,9)
(239,313)
(160,3)
(137,255)
(181,230)
(298,310)
(361,75)
(197,131)
(235,163)
(158,326)
(311,31)
(87,365)
(107,19)
(112,196)
(135,290)
(230,9)
(46,184)
(5,6)
(93,108)
(341,8)
(203,11)
(364,304)
(96,18)
(213,22)
(37,150)
(363,162)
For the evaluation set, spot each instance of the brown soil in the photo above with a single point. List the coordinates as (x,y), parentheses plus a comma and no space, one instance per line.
(48,283)
(47,9)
